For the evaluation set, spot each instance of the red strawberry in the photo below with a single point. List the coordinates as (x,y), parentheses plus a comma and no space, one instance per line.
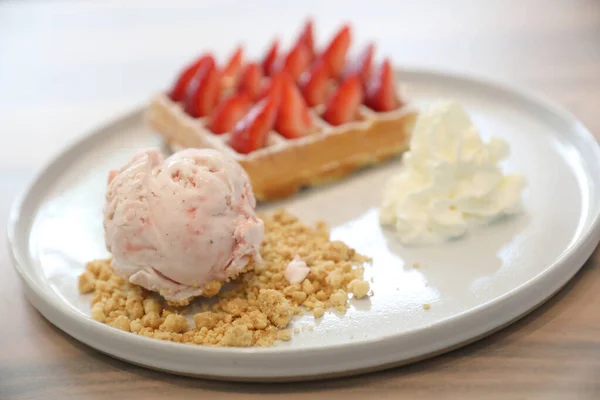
(232,69)
(179,88)
(273,84)
(249,81)
(345,102)
(293,119)
(229,112)
(270,58)
(335,53)
(381,93)
(250,133)
(295,62)
(203,91)
(314,84)
(306,37)
(361,65)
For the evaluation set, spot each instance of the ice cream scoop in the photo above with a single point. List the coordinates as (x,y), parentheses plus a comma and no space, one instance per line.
(182,225)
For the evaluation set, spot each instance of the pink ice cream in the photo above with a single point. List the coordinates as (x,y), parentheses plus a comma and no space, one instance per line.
(174,225)
(296,270)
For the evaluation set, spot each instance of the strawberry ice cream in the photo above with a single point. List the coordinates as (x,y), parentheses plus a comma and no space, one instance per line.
(175,226)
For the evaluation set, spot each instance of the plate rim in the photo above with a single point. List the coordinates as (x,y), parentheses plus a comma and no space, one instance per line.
(579,249)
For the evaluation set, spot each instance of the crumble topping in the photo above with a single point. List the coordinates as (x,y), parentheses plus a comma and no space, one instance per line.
(259,307)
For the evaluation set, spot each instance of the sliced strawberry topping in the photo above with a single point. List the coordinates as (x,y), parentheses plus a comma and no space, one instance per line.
(232,69)
(273,84)
(269,61)
(361,65)
(335,53)
(250,133)
(345,102)
(229,112)
(203,91)
(293,119)
(314,84)
(179,88)
(307,37)
(295,62)
(381,93)
(249,81)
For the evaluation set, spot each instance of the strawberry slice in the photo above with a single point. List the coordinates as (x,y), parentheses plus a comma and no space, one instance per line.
(249,81)
(229,112)
(307,37)
(232,69)
(381,93)
(269,61)
(250,133)
(293,119)
(344,103)
(273,84)
(314,84)
(335,53)
(361,65)
(203,91)
(295,62)
(177,92)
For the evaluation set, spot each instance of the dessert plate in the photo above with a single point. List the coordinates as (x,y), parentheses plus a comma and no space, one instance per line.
(425,300)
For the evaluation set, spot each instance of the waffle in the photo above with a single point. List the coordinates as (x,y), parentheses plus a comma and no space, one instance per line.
(285,165)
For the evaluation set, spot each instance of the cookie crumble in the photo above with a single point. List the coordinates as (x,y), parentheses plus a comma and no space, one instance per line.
(259,308)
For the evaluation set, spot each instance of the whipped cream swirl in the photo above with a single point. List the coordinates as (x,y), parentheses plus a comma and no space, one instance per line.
(449,181)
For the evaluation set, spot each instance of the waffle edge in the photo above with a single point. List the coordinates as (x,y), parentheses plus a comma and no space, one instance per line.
(284,166)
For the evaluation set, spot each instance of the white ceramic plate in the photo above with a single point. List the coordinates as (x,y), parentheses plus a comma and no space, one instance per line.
(474,285)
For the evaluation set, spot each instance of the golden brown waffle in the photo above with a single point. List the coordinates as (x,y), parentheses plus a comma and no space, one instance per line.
(285,165)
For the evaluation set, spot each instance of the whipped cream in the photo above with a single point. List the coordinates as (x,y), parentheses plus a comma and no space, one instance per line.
(449,181)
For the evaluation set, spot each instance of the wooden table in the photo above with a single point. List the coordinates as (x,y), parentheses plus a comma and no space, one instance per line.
(66,66)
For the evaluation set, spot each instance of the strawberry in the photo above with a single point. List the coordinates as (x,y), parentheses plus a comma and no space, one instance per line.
(293,119)
(250,80)
(307,37)
(335,53)
(344,103)
(229,112)
(231,71)
(381,93)
(273,84)
(203,91)
(179,88)
(361,65)
(270,58)
(295,62)
(250,133)
(314,84)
